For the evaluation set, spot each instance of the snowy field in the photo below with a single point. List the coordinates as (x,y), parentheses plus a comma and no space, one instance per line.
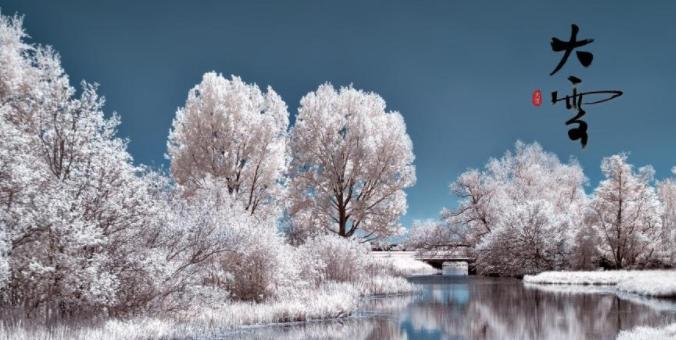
(656,283)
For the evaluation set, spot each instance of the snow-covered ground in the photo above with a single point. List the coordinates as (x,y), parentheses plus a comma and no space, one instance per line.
(649,333)
(330,301)
(657,283)
(402,263)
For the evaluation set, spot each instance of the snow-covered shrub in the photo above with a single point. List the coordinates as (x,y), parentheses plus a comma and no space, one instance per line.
(215,244)
(311,267)
(262,266)
(530,239)
(342,259)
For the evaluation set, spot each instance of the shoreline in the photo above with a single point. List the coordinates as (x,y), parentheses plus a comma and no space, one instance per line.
(334,302)
(651,283)
(182,327)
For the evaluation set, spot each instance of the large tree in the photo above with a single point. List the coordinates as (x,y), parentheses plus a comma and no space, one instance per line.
(233,133)
(351,160)
(625,212)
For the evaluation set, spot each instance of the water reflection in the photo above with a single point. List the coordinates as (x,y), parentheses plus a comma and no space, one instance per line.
(486,308)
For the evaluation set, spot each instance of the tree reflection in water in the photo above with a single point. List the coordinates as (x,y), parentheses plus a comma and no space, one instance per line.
(487,308)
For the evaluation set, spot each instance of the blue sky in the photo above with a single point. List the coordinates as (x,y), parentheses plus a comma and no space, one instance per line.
(460,72)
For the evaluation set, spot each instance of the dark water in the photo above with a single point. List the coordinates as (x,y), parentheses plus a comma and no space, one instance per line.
(487,308)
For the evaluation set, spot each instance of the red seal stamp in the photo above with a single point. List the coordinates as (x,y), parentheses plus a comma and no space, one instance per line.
(537,98)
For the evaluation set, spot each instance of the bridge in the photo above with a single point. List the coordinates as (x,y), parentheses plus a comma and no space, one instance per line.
(435,257)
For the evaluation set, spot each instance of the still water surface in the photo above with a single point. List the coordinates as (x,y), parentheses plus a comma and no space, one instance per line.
(486,308)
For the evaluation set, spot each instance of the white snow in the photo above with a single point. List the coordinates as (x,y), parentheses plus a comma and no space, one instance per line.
(402,263)
(329,301)
(657,283)
(649,333)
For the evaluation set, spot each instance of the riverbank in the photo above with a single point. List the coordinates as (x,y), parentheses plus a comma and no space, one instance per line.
(331,300)
(649,333)
(655,283)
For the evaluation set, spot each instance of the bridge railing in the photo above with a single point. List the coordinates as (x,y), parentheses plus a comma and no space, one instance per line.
(442,255)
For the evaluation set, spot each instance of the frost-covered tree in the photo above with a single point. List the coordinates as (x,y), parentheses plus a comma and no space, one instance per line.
(429,234)
(76,213)
(351,160)
(521,213)
(625,212)
(666,191)
(234,132)
(477,211)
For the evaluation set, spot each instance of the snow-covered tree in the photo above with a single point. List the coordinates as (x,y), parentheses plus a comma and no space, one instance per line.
(234,132)
(351,160)
(75,211)
(430,234)
(477,211)
(625,212)
(666,191)
(521,213)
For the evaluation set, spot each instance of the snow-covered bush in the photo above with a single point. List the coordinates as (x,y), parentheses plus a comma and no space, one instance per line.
(339,259)
(216,245)
(529,239)
(312,268)
(262,266)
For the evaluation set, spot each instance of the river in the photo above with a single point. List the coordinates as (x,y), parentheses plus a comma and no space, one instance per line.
(485,308)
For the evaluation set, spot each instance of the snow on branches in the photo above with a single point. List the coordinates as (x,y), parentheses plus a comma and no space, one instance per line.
(232,131)
(351,160)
